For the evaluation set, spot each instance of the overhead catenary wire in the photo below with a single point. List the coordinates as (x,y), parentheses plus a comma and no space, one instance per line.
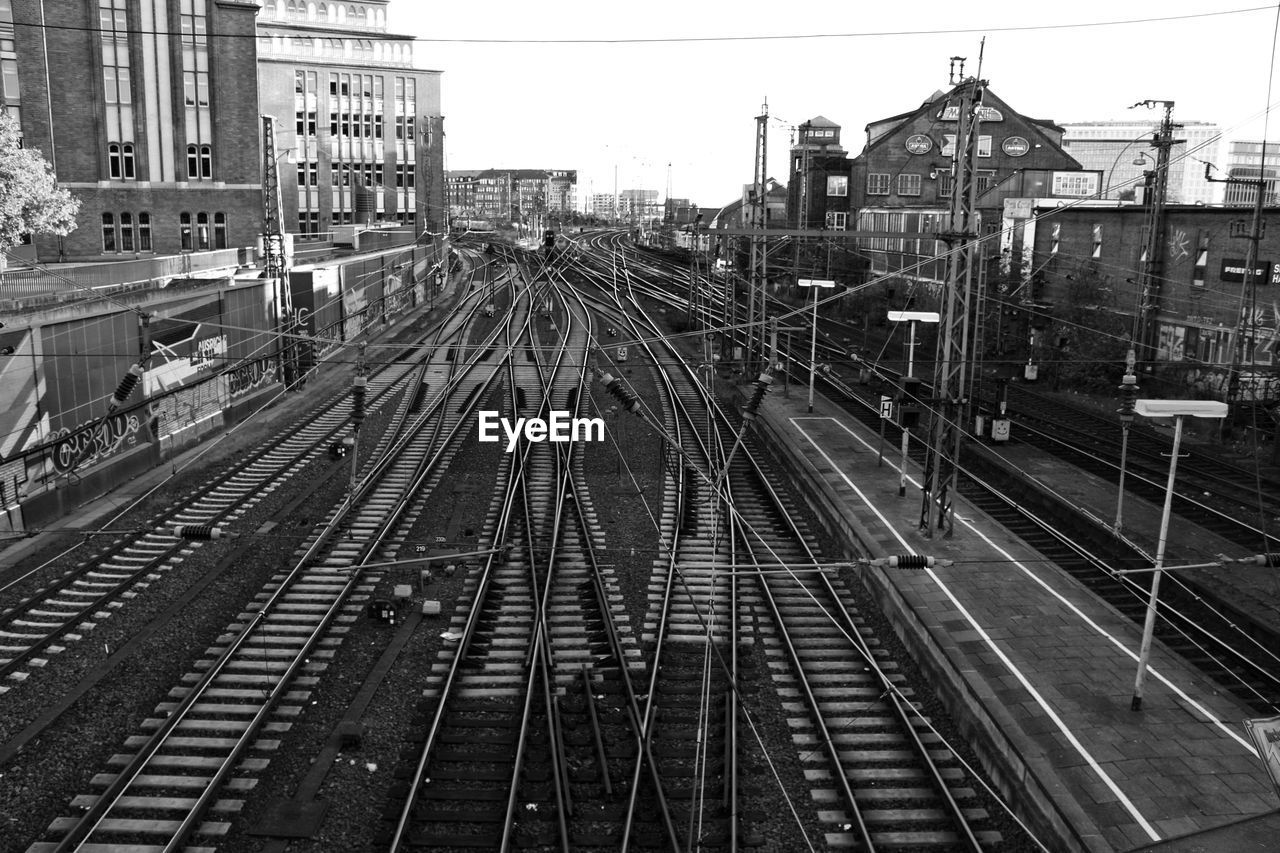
(1011,28)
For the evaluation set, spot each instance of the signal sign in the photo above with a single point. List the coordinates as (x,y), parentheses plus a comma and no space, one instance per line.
(886,408)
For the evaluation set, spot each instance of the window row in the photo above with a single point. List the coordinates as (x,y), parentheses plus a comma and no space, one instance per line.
(358,50)
(334,13)
(125,232)
(879,183)
(355,126)
(122,163)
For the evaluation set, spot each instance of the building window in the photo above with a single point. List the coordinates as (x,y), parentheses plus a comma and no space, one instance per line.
(113,160)
(838,185)
(202,231)
(945,182)
(184,222)
(206,161)
(126,232)
(877,183)
(219,231)
(144,232)
(193,162)
(126,160)
(908,184)
(986,181)
(108,233)
(984,146)
(837,220)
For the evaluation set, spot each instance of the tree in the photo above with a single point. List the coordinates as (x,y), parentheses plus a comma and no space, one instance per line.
(1086,341)
(31,202)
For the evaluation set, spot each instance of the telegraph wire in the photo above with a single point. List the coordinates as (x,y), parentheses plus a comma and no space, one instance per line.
(323,26)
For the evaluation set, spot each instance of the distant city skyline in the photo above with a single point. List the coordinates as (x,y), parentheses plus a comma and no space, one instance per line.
(685,107)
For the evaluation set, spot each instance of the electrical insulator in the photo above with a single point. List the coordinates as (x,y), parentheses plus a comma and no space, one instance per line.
(1271,560)
(762,383)
(357,400)
(910,561)
(125,388)
(625,398)
(197,531)
(1128,398)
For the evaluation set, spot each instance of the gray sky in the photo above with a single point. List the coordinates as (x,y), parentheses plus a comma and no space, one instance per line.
(637,107)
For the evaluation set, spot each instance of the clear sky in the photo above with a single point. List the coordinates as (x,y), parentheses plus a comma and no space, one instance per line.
(637,107)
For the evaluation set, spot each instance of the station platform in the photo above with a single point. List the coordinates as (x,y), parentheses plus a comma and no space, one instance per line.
(1038,671)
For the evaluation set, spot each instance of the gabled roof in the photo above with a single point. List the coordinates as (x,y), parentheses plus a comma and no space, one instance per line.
(821,121)
(892,124)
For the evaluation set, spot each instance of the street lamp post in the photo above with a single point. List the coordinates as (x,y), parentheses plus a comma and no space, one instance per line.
(911,317)
(1176,409)
(815,283)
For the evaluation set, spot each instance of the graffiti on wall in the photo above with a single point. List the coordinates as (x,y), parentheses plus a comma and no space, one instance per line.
(1212,383)
(94,441)
(249,377)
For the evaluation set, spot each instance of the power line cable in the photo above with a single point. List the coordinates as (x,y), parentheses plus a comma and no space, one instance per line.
(320,28)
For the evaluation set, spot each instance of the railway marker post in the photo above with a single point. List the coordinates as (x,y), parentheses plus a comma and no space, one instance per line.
(1176,409)
(912,317)
(815,283)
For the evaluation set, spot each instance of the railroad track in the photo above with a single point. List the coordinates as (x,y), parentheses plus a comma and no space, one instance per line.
(191,764)
(1225,642)
(881,775)
(515,749)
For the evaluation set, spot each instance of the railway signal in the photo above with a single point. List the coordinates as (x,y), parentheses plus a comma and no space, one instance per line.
(1128,398)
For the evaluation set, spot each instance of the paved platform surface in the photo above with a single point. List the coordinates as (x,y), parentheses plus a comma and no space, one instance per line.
(1046,669)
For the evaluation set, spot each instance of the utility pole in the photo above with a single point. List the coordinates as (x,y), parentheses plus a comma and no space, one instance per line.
(275,259)
(1153,249)
(1244,332)
(947,415)
(759,256)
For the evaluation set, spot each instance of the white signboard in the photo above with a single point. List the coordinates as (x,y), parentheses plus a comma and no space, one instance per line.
(886,408)
(1266,737)
(1017,208)
(1075,184)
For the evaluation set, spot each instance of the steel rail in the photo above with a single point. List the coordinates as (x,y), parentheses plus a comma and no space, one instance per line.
(522,312)
(102,807)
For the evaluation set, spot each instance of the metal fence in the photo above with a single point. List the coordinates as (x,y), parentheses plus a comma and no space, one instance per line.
(17,284)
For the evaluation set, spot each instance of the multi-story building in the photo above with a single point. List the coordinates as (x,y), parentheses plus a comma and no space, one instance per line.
(639,206)
(562,191)
(512,194)
(819,194)
(361,123)
(902,181)
(1247,160)
(1209,312)
(1121,151)
(603,205)
(461,189)
(149,132)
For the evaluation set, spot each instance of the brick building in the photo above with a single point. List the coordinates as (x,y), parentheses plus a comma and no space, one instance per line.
(361,124)
(1203,304)
(818,194)
(150,136)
